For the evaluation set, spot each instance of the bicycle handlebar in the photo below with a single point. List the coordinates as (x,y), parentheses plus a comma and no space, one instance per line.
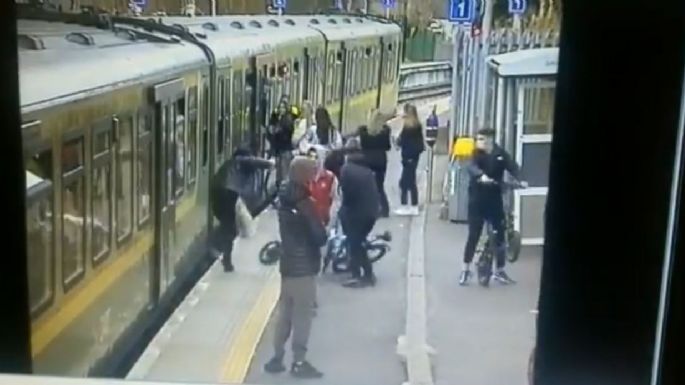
(509,185)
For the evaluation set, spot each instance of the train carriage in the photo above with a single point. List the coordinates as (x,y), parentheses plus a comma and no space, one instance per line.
(125,121)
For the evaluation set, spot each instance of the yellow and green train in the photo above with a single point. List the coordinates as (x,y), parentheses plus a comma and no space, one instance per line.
(124,122)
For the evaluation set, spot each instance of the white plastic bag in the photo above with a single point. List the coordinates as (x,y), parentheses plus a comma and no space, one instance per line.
(243,219)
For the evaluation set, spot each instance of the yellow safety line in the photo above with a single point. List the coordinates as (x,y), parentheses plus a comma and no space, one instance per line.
(242,348)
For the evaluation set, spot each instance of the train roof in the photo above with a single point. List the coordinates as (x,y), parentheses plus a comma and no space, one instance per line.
(62,62)
(238,36)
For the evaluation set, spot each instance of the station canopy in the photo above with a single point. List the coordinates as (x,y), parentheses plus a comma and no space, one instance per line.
(526,63)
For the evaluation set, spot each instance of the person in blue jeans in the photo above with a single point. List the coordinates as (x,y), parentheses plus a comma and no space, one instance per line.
(411,146)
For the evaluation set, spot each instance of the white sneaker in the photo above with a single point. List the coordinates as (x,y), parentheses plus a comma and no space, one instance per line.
(402,210)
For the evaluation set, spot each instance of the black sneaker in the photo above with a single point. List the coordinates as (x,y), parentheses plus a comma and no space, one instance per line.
(229,268)
(304,369)
(275,365)
(464,278)
(358,283)
(503,278)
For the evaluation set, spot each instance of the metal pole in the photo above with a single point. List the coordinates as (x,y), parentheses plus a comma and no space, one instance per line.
(280,11)
(429,187)
(366,7)
(485,51)
(213,6)
(387,12)
(455,84)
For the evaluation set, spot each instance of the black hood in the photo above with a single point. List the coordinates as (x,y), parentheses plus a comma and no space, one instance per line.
(291,193)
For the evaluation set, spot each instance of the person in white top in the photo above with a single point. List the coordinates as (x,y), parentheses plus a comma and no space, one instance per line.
(303,127)
(324,133)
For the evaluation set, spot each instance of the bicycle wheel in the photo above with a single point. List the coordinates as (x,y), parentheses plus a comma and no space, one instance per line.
(376,252)
(484,268)
(514,246)
(340,261)
(270,253)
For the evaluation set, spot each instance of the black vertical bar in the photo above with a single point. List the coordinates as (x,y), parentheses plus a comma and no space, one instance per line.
(617,113)
(15,343)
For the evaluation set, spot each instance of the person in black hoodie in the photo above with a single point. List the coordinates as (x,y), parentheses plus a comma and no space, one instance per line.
(359,211)
(411,146)
(280,136)
(302,236)
(375,143)
(231,181)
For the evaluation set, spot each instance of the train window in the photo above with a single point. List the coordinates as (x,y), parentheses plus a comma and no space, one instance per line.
(236,131)
(101,195)
(205,124)
(124,189)
(191,151)
(351,81)
(180,155)
(73,212)
(144,164)
(222,124)
(228,112)
(359,67)
(39,230)
(329,77)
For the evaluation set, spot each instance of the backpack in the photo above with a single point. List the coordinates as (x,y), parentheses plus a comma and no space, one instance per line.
(321,193)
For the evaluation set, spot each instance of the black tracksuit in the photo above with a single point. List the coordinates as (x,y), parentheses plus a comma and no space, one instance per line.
(485,200)
(411,147)
(375,148)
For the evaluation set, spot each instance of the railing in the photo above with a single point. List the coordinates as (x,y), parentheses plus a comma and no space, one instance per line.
(424,80)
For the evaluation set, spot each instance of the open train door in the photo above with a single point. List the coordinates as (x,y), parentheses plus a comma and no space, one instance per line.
(167,98)
(262,102)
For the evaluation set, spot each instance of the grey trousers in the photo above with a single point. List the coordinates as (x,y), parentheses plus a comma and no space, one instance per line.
(295,313)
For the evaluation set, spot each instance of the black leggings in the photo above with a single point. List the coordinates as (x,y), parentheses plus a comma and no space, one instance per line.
(477,216)
(380,184)
(408,182)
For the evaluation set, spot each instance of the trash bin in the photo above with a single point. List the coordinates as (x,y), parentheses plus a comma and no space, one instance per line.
(457,202)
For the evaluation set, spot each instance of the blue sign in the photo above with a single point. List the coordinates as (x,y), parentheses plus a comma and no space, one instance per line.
(517,7)
(140,3)
(389,3)
(461,11)
(279,4)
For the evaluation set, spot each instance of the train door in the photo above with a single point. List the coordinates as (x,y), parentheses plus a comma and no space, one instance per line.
(168,97)
(348,83)
(344,80)
(262,101)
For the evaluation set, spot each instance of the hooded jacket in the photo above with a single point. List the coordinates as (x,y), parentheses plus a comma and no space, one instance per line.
(360,198)
(302,233)
(234,178)
(375,147)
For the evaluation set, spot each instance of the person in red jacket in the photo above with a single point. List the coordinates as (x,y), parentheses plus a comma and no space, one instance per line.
(324,189)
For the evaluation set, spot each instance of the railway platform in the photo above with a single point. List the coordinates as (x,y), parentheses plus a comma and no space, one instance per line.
(221,333)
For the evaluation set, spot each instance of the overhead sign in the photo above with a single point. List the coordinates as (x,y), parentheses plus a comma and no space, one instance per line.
(279,4)
(517,7)
(461,11)
(140,3)
(389,3)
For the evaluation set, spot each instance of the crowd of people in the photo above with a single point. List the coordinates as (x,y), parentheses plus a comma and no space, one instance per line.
(326,184)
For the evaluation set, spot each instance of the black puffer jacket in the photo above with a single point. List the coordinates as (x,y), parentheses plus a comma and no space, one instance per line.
(375,147)
(360,198)
(302,233)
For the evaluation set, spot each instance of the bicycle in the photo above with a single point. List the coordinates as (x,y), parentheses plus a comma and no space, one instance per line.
(336,255)
(337,251)
(487,248)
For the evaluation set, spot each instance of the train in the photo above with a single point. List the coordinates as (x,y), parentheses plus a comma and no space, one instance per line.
(125,120)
